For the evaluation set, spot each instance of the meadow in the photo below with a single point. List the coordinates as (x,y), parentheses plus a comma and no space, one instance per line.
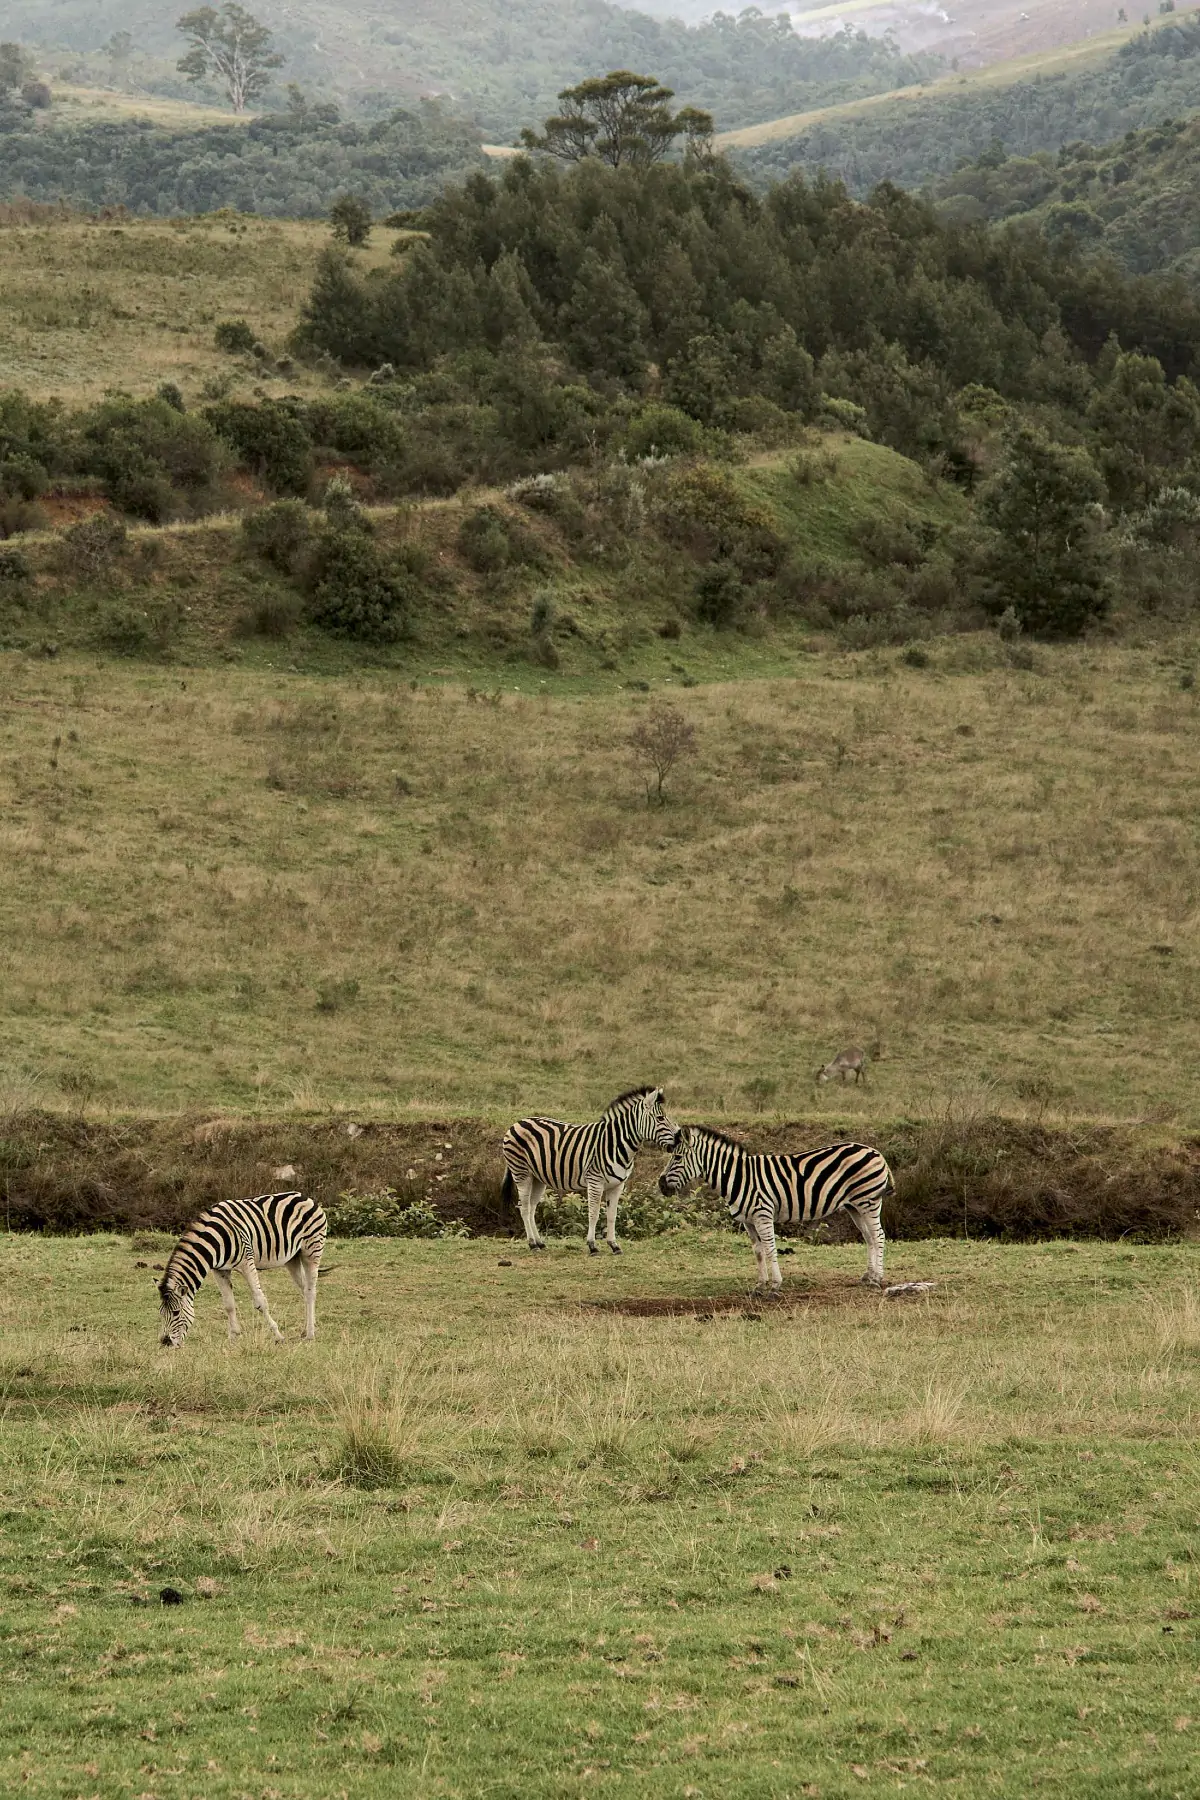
(499,1533)
(251,888)
(87,306)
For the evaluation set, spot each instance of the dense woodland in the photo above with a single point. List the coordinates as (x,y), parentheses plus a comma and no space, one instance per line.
(1137,199)
(289,165)
(1154,76)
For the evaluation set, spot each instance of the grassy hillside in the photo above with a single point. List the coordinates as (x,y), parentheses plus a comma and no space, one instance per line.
(1095,89)
(472,907)
(1138,199)
(86,306)
(496,1532)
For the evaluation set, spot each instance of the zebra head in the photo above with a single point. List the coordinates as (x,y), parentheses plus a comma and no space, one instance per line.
(176,1311)
(650,1118)
(685,1165)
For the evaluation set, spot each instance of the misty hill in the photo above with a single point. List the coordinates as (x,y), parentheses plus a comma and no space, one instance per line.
(501,62)
(1152,76)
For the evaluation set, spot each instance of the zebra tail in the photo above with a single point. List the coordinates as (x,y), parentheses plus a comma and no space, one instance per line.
(508,1190)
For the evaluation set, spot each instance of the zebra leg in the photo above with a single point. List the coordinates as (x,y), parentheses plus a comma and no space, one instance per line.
(225,1289)
(769,1266)
(260,1299)
(529,1194)
(595,1199)
(613,1200)
(756,1244)
(870,1228)
(304,1274)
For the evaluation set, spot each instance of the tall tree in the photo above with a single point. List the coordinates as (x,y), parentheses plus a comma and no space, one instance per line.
(622,118)
(1046,559)
(232,47)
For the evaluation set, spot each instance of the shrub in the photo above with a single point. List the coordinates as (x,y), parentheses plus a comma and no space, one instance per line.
(89,548)
(660,430)
(15,567)
(704,511)
(484,540)
(234,336)
(718,593)
(382,1213)
(884,540)
(270,440)
(274,616)
(354,592)
(22,478)
(280,533)
(170,395)
(127,630)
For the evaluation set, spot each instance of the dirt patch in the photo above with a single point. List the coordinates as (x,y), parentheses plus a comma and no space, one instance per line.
(844,1292)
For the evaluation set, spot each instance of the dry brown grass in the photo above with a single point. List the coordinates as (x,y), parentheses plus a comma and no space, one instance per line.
(992,870)
(128,304)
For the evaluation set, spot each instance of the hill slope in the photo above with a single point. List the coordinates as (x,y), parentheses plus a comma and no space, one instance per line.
(1094,91)
(1138,198)
(504,63)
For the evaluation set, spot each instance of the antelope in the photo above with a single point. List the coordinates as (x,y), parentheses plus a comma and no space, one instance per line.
(845,1063)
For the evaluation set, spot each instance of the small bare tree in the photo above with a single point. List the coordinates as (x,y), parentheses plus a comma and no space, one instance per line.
(660,741)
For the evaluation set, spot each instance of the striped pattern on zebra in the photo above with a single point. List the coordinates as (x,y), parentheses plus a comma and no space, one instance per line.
(272,1231)
(761,1191)
(596,1159)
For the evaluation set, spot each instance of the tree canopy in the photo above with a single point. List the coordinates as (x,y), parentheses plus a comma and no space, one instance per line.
(622,118)
(232,47)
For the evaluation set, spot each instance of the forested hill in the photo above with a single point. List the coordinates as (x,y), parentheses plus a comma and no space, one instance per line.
(502,62)
(280,165)
(1153,76)
(1137,199)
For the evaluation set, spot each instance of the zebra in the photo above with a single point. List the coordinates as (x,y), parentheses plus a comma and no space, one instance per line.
(759,1190)
(272,1231)
(596,1159)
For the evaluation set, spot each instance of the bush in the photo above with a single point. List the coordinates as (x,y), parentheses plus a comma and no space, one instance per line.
(718,593)
(661,430)
(15,568)
(485,540)
(703,510)
(235,337)
(22,478)
(383,1214)
(89,548)
(280,533)
(270,440)
(354,592)
(274,616)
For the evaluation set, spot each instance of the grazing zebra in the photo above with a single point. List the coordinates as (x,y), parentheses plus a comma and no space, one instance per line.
(596,1160)
(759,1190)
(271,1232)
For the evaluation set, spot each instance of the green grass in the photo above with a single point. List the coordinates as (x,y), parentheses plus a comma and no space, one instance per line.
(839,1548)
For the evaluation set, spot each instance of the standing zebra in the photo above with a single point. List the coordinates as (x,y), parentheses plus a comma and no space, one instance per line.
(596,1160)
(271,1232)
(759,1190)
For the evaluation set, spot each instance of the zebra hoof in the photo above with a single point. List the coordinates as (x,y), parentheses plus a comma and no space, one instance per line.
(536,1246)
(592,1250)
(616,1249)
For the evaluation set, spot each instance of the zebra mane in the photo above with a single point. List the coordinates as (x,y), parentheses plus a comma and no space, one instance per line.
(637,1093)
(717,1137)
